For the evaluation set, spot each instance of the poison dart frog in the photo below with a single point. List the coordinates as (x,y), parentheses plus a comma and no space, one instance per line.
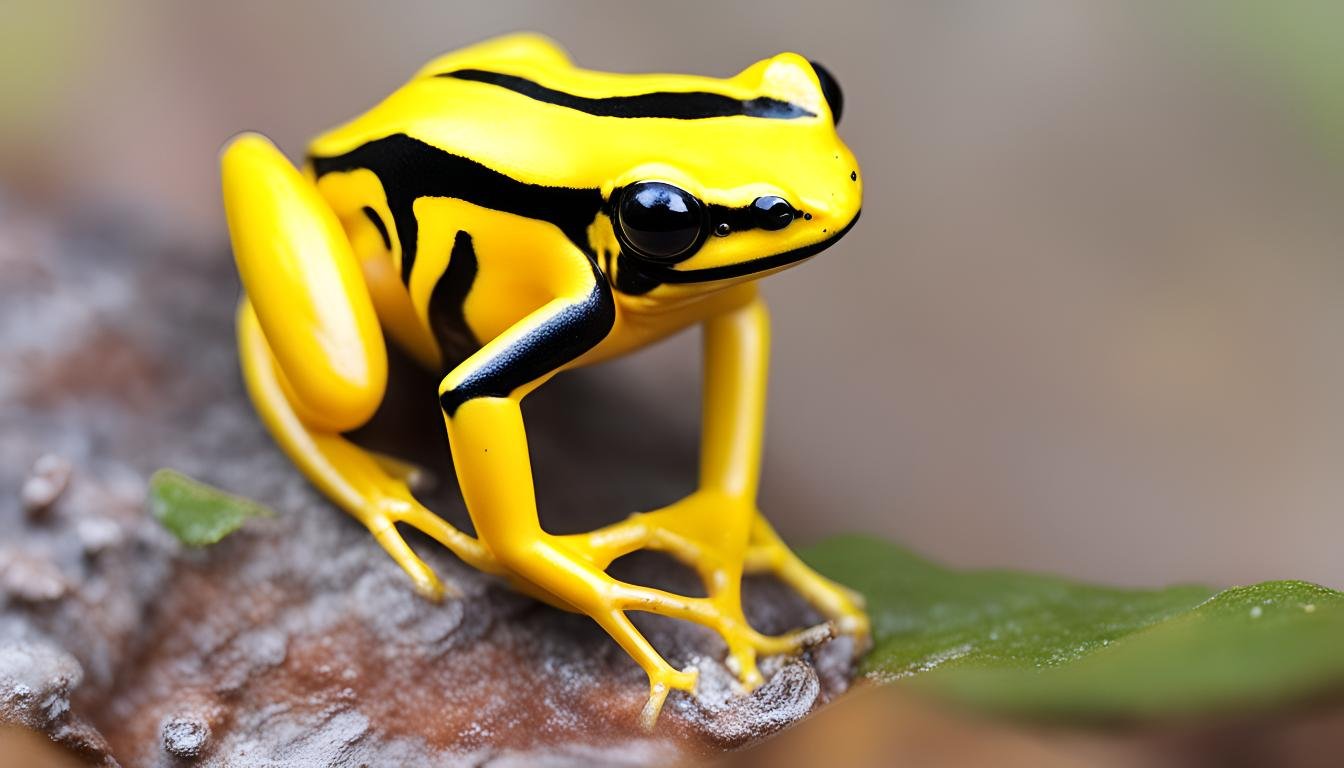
(505,216)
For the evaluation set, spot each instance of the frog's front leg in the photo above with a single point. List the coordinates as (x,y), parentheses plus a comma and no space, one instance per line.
(718,529)
(312,352)
(481,402)
(737,347)
(736,369)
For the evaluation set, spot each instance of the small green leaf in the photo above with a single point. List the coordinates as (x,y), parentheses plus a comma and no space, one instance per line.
(1041,645)
(196,513)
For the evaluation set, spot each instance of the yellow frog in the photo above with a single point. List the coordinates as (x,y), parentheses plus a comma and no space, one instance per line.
(505,216)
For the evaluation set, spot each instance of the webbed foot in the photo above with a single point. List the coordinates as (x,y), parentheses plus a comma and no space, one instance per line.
(710,532)
(841,605)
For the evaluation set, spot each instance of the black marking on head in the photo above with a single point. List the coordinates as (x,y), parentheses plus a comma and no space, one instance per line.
(558,340)
(738,219)
(759,214)
(447,311)
(410,169)
(676,105)
(830,88)
(380,225)
(629,279)
(651,275)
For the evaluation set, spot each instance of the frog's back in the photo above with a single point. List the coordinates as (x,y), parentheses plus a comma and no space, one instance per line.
(519,106)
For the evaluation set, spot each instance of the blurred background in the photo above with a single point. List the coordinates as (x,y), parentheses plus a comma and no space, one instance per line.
(1091,321)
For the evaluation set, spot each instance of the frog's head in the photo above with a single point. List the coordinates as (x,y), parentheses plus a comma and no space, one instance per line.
(739,194)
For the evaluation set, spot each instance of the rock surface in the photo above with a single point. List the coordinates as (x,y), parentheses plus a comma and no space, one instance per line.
(297,639)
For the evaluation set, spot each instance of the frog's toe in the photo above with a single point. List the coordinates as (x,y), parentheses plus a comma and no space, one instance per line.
(604,545)
(857,626)
(856,597)
(741,660)
(662,683)
(843,606)
(798,641)
(746,644)
(427,585)
(423,579)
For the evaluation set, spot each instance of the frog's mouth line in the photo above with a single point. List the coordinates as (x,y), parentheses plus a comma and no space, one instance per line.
(764,264)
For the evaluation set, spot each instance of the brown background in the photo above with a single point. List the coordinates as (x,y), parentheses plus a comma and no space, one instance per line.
(1090,322)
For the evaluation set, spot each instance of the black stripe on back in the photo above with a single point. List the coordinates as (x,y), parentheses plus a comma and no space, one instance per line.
(677,105)
(410,169)
(447,313)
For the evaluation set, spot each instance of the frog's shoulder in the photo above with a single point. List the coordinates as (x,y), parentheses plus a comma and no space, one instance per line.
(528,48)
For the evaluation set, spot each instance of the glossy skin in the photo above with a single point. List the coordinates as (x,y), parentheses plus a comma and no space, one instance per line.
(495,217)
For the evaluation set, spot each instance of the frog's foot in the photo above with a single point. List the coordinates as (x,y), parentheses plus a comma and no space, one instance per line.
(399,507)
(371,487)
(722,613)
(707,532)
(744,644)
(382,500)
(660,685)
(546,564)
(842,606)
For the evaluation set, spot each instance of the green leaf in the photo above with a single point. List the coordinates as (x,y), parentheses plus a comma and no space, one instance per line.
(1042,645)
(196,513)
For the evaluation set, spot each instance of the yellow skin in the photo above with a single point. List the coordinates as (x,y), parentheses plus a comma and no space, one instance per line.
(485,217)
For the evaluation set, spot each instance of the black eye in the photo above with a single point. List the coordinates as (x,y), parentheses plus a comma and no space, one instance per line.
(660,221)
(772,212)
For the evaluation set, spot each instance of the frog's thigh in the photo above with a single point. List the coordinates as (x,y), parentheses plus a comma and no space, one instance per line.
(305,286)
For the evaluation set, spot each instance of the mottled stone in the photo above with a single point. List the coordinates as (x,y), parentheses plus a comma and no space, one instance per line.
(36,680)
(30,578)
(45,483)
(185,736)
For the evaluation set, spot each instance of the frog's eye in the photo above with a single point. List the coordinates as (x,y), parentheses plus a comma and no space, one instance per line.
(772,213)
(660,221)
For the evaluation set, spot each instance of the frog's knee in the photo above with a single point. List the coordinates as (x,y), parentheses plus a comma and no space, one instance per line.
(304,285)
(327,405)
(332,406)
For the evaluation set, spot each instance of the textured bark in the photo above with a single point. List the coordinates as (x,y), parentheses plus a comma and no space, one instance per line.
(298,639)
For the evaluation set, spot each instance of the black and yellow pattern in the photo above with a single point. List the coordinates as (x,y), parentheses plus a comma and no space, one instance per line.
(504,216)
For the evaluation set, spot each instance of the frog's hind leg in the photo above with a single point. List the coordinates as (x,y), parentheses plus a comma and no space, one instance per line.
(312,351)
(355,479)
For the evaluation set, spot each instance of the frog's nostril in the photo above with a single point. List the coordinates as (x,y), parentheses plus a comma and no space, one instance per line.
(772,212)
